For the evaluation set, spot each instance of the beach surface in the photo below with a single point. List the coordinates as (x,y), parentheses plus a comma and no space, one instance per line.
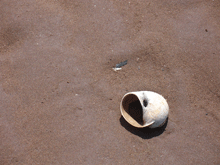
(60,97)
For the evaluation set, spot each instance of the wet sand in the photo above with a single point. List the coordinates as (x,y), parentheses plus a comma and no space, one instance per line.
(59,97)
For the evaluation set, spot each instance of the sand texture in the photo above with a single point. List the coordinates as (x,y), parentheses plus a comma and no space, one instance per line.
(60,97)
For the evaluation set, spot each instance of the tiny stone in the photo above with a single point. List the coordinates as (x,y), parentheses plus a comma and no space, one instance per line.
(121,64)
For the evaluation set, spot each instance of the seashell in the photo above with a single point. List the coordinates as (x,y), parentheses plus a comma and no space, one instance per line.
(144,109)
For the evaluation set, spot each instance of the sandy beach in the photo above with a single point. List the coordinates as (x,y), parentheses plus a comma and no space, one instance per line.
(60,97)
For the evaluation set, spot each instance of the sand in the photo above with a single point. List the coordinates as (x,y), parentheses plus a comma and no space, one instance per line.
(60,97)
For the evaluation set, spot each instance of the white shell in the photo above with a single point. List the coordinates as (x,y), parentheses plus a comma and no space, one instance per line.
(144,109)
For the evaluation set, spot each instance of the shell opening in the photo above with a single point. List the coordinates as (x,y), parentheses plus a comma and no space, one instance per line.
(132,106)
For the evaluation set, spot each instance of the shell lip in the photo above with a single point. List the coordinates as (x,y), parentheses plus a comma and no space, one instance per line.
(128,118)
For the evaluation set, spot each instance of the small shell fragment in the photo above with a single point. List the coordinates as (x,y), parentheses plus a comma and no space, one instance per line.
(116,69)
